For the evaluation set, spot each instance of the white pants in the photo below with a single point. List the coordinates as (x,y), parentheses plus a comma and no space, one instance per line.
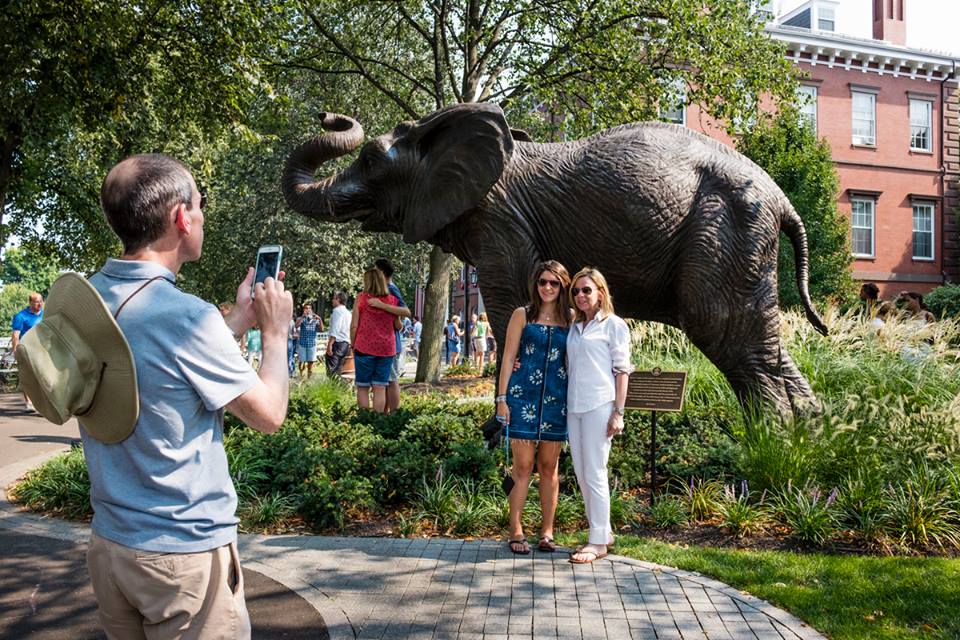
(590,449)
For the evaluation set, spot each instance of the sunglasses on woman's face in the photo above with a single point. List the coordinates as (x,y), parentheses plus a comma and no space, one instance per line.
(584,290)
(554,284)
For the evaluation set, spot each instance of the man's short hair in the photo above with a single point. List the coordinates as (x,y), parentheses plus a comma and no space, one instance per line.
(137,198)
(385,266)
(341,296)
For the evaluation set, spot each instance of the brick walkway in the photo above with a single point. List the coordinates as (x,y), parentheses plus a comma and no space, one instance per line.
(440,588)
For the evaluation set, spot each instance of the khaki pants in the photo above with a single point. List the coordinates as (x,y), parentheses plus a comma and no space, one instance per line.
(142,594)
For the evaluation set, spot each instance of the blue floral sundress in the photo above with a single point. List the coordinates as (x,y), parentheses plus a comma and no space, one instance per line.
(537,392)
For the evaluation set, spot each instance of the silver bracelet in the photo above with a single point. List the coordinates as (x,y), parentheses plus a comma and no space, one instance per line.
(500,399)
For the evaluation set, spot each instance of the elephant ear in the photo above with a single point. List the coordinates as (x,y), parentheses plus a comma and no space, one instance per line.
(462,150)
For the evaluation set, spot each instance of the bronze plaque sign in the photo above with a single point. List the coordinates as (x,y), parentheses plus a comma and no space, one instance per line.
(656,390)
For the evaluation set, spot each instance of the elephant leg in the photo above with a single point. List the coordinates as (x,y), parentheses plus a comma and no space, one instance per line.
(744,344)
(801,395)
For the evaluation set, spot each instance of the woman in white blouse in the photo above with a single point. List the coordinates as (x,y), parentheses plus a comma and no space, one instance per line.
(598,361)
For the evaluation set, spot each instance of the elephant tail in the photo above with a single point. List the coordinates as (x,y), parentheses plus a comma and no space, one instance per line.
(792,225)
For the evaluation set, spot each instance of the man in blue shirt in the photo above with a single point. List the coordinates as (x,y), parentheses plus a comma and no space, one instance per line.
(26,318)
(23,322)
(163,551)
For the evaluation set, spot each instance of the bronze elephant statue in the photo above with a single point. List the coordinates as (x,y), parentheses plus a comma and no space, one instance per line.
(685,229)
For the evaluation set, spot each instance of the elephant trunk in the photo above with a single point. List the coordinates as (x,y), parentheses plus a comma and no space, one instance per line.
(337,197)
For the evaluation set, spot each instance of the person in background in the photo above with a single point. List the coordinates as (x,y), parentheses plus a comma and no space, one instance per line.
(533,397)
(417,333)
(23,321)
(338,344)
(598,359)
(480,330)
(401,311)
(254,346)
(453,332)
(293,337)
(491,347)
(308,324)
(374,343)
(870,296)
(912,303)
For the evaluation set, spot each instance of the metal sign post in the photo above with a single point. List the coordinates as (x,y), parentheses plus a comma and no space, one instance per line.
(656,391)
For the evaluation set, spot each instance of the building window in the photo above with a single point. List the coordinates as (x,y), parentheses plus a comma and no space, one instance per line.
(864,118)
(863,224)
(807,104)
(826,18)
(674,102)
(923,231)
(921,125)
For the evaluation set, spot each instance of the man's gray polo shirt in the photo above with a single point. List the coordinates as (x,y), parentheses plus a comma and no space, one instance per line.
(167,488)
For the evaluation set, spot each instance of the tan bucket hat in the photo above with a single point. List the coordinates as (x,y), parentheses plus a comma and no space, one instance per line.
(76,362)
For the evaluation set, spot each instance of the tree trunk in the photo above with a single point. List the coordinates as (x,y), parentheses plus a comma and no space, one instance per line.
(434,312)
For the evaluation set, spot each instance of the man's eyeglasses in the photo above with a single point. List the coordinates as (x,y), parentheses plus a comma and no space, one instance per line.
(584,290)
(553,284)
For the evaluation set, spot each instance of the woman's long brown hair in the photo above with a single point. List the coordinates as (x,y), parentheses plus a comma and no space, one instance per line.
(563,297)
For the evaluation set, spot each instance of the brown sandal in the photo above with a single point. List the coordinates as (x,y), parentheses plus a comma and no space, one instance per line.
(547,544)
(587,555)
(519,546)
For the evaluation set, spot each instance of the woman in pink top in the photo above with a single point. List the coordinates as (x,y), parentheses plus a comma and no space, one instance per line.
(373,339)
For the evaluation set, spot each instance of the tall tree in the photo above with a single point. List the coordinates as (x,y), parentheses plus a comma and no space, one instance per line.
(787,148)
(86,82)
(595,63)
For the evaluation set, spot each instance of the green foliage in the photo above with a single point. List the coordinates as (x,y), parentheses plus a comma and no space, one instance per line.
(13,298)
(740,515)
(263,513)
(919,511)
(944,301)
(668,511)
(787,148)
(703,497)
(30,267)
(811,516)
(62,485)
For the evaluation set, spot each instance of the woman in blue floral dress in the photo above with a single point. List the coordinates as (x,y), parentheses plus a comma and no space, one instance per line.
(533,400)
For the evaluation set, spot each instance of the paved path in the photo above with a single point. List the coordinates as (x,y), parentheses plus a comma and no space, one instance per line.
(442,588)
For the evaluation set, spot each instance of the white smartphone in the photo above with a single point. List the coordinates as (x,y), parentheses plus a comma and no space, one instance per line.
(268,264)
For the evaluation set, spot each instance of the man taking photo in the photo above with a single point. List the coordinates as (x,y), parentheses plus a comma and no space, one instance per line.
(163,552)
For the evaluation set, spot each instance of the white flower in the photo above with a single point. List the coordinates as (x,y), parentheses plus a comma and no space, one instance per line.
(562,373)
(516,390)
(536,377)
(563,411)
(529,412)
(548,399)
(530,349)
(554,354)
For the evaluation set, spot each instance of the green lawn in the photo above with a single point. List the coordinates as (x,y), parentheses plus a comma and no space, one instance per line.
(844,597)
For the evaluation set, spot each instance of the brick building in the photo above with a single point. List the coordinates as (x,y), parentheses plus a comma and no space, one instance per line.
(889,113)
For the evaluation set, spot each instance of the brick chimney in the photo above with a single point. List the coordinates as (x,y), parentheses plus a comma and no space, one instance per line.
(888,22)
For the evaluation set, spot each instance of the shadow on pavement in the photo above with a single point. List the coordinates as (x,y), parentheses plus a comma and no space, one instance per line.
(45,594)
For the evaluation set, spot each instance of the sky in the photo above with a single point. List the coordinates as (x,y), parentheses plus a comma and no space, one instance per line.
(931,24)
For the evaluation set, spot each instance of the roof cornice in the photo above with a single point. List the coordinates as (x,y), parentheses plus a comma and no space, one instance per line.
(859,54)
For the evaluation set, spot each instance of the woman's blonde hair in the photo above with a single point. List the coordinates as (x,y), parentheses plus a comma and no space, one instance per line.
(374,283)
(483,316)
(562,308)
(606,299)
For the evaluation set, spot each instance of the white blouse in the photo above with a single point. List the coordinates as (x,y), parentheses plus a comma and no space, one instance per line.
(596,352)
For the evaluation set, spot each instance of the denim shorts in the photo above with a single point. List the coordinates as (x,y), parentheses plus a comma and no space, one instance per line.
(372,370)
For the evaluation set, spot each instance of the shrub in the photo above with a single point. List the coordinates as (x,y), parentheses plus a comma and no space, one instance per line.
(811,517)
(918,511)
(328,502)
(62,485)
(944,301)
(668,511)
(472,511)
(703,497)
(437,500)
(267,512)
(740,516)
